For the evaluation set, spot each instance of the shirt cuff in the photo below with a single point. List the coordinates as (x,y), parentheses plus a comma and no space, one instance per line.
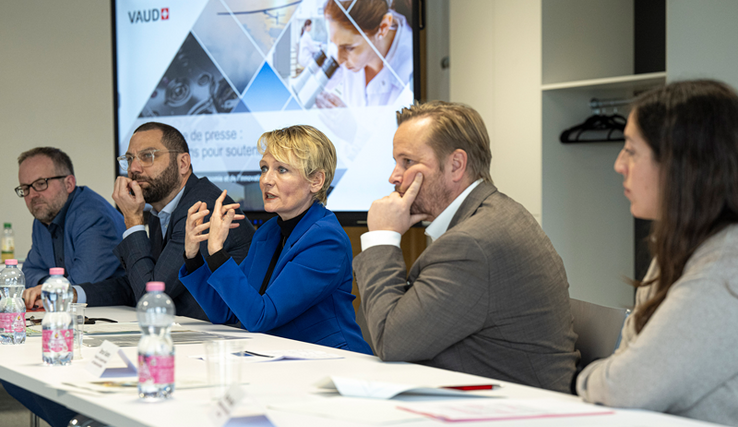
(192,264)
(133,229)
(380,237)
(81,295)
(217,259)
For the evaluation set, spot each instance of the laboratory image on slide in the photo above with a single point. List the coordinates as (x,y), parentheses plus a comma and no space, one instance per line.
(225,71)
(360,52)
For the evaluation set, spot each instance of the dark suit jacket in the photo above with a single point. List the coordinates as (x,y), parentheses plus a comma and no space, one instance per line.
(489,297)
(144,263)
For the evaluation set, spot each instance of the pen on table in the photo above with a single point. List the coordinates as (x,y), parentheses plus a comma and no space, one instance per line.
(473,387)
(251,353)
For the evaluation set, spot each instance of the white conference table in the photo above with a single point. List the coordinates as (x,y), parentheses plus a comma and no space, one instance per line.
(270,383)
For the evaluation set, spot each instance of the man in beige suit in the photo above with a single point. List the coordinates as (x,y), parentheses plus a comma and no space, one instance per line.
(489,296)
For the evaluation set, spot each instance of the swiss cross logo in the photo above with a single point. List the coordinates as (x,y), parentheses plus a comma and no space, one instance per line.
(164,13)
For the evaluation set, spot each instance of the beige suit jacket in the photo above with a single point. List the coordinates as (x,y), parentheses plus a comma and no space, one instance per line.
(489,297)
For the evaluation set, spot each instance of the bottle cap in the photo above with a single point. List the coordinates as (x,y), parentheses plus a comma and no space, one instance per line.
(155,286)
(11,262)
(56,271)
(7,225)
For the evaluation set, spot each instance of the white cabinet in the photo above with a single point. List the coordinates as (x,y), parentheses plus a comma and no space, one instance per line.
(543,62)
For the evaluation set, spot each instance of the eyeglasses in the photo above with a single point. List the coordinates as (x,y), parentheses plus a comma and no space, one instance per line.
(146,157)
(39,185)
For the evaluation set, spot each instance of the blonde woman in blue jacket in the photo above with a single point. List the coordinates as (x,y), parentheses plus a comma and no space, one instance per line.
(296,280)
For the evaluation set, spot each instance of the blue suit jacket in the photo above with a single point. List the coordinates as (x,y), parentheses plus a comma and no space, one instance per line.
(309,294)
(92,228)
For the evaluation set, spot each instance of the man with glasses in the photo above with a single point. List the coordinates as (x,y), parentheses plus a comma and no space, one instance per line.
(74,227)
(159,174)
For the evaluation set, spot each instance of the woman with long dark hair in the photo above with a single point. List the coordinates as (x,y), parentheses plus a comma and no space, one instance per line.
(680,169)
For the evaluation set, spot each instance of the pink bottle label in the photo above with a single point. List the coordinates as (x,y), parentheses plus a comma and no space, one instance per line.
(12,322)
(159,369)
(57,341)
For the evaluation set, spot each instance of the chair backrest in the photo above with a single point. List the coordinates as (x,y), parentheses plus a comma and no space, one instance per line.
(598,329)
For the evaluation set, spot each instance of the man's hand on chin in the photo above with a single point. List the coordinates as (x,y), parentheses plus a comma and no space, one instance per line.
(129,198)
(393,212)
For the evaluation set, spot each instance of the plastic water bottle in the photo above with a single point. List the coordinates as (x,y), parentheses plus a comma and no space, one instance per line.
(8,242)
(155,350)
(57,341)
(12,308)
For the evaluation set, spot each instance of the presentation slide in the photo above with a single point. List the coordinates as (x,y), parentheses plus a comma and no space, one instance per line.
(225,71)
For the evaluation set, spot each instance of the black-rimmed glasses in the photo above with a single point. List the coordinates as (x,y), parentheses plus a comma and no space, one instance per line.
(146,157)
(39,185)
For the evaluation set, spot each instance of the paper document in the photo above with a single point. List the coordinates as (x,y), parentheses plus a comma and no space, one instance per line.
(112,328)
(273,356)
(131,340)
(124,386)
(380,390)
(101,328)
(351,409)
(503,409)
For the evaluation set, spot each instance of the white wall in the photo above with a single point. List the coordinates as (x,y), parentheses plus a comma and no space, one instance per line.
(701,40)
(495,50)
(55,89)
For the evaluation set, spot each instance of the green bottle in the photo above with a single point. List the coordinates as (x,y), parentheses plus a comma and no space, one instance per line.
(8,242)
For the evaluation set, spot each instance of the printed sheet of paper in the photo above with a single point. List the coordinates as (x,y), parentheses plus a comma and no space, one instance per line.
(131,340)
(380,390)
(273,356)
(103,328)
(351,409)
(502,409)
(124,386)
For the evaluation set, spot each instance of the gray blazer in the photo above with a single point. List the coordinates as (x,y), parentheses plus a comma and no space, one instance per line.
(144,261)
(489,297)
(683,361)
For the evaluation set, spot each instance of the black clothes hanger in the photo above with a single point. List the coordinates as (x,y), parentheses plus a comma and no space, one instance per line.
(597,128)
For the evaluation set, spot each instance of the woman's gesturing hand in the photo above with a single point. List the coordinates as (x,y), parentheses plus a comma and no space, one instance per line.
(221,221)
(194,228)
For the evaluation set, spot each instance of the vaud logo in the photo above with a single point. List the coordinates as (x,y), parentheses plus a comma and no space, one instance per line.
(151,15)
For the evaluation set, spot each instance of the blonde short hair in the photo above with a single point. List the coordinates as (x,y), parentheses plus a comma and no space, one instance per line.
(305,148)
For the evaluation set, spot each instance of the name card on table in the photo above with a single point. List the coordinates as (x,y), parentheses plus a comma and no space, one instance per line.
(220,413)
(98,366)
